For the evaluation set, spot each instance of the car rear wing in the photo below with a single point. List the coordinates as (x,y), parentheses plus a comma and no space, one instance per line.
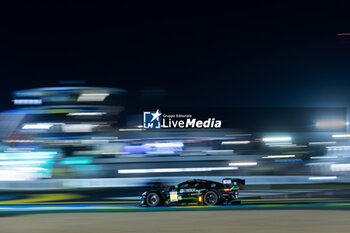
(232,182)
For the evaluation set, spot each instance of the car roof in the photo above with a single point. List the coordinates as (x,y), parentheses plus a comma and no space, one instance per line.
(199,180)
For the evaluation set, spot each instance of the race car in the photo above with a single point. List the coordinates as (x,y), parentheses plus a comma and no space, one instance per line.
(194,192)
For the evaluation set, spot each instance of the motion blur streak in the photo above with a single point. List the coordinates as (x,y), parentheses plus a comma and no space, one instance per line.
(326,124)
(321,143)
(91,97)
(27,101)
(341,136)
(37,126)
(243,164)
(338,147)
(278,156)
(277,139)
(324,157)
(234,142)
(161,170)
(323,178)
(340,167)
(86,113)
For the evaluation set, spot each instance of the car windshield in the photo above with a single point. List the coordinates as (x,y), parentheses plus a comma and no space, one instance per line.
(184,185)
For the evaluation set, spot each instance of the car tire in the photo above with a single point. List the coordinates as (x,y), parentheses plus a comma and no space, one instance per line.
(210,198)
(153,199)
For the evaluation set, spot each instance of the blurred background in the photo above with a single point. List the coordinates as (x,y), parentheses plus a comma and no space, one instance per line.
(71,137)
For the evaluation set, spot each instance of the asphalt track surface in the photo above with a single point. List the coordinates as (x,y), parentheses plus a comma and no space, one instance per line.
(271,221)
(76,202)
(113,200)
(97,211)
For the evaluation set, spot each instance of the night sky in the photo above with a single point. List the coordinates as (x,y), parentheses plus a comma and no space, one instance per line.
(263,53)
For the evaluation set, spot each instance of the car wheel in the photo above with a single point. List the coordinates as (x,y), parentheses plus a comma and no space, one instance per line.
(210,198)
(153,199)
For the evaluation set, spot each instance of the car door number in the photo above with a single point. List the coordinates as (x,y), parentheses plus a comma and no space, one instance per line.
(173,196)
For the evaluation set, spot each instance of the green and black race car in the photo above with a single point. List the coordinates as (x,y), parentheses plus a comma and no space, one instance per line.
(199,192)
